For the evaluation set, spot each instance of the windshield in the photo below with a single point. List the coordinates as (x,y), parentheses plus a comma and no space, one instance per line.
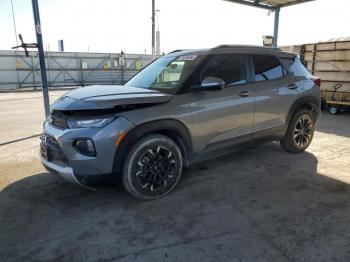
(165,73)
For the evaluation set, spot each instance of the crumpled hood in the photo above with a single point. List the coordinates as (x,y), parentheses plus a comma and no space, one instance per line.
(107,96)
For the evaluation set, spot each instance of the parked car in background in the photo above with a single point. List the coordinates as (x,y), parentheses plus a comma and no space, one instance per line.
(185,107)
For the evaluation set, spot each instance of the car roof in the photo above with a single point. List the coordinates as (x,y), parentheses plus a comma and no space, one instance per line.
(238,49)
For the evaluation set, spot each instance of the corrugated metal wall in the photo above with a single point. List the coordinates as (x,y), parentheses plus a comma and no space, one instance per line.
(68,69)
(329,60)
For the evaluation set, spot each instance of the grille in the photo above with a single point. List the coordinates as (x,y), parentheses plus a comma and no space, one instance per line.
(51,150)
(58,120)
(51,141)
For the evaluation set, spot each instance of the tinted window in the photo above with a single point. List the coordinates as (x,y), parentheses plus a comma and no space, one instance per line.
(267,68)
(230,68)
(295,66)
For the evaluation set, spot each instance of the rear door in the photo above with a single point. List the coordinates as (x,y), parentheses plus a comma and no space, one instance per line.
(274,92)
(223,117)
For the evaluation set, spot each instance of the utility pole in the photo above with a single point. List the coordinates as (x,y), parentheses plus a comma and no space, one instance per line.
(153,29)
(39,40)
(157,34)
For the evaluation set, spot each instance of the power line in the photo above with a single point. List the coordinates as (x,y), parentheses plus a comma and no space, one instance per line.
(15,28)
(14,22)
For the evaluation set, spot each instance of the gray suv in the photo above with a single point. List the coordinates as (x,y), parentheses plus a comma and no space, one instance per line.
(185,107)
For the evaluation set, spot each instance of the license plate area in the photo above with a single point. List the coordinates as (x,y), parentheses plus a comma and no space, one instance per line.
(50,150)
(43,151)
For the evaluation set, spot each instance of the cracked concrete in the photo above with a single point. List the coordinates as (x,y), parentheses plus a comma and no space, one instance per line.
(261,204)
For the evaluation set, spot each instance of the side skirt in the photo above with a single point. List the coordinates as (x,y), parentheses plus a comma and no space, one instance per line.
(223,148)
(236,144)
(270,134)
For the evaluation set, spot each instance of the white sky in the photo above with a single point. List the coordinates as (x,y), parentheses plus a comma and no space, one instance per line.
(112,25)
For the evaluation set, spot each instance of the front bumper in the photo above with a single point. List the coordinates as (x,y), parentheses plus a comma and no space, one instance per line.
(75,167)
(65,172)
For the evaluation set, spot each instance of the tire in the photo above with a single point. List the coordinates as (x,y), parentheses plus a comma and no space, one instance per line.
(333,110)
(300,132)
(152,167)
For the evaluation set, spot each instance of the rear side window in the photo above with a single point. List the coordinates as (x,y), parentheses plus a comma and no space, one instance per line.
(294,66)
(230,68)
(267,67)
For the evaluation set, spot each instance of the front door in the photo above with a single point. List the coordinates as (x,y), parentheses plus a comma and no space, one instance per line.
(223,118)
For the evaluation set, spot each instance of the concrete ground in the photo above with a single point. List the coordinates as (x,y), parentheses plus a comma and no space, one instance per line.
(261,204)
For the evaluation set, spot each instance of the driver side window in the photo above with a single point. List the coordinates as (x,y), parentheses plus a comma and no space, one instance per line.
(228,67)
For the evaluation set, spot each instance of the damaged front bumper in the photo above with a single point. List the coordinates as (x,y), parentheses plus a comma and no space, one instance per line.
(59,154)
(65,172)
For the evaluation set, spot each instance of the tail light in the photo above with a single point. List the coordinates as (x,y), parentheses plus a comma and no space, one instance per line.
(316,80)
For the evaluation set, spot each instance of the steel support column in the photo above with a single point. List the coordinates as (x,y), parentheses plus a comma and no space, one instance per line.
(41,56)
(275,28)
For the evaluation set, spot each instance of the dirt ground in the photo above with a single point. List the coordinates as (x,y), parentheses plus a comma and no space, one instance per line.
(261,204)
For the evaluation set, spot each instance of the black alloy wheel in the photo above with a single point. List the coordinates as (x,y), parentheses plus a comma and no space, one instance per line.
(156,168)
(152,168)
(303,131)
(300,132)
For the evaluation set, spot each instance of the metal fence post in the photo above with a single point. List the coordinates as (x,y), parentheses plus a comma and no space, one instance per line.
(122,67)
(122,74)
(33,69)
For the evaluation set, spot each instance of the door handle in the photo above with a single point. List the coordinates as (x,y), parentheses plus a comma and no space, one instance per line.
(245,93)
(292,86)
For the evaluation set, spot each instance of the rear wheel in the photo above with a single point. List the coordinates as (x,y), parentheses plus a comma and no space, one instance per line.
(333,110)
(153,167)
(300,132)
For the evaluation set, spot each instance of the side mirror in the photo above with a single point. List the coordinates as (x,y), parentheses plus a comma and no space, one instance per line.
(212,83)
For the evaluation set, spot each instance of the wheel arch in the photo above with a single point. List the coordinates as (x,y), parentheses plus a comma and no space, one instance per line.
(310,103)
(172,128)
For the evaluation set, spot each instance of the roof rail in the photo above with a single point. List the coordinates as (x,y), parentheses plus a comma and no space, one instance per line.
(177,50)
(221,46)
(245,46)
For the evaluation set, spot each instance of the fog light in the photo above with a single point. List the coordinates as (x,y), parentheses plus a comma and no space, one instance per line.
(85,147)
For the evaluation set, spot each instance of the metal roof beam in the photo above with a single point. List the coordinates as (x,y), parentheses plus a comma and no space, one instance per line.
(295,3)
(253,4)
(261,4)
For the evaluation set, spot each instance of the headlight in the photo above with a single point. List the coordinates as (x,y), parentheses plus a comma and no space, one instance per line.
(97,122)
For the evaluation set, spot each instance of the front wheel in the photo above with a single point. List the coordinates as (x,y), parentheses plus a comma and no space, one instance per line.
(153,167)
(300,132)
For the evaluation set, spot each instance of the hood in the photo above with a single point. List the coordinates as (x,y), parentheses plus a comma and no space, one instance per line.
(105,97)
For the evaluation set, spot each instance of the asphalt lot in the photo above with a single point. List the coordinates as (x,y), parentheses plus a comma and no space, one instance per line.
(261,204)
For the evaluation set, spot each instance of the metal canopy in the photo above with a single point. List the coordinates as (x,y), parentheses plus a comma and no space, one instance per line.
(269,4)
(273,5)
